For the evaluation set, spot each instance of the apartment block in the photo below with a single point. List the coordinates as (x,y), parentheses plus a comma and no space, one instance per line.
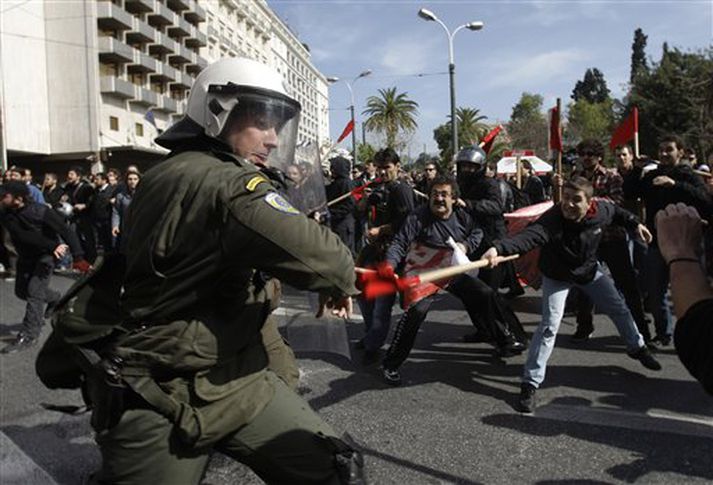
(87,77)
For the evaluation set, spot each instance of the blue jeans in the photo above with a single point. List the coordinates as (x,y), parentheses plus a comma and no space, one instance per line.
(657,278)
(604,295)
(377,320)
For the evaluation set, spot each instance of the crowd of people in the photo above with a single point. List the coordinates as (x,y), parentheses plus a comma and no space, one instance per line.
(178,353)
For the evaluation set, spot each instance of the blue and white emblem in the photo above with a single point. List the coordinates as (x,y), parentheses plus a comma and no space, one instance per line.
(277,202)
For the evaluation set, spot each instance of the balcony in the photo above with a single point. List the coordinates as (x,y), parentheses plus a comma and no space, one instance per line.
(180,28)
(165,73)
(196,14)
(178,5)
(169,105)
(164,45)
(112,50)
(212,32)
(197,65)
(141,32)
(117,87)
(142,63)
(181,107)
(162,15)
(145,97)
(197,38)
(138,6)
(183,80)
(113,17)
(183,55)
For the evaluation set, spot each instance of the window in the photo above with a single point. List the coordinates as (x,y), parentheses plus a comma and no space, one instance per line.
(114,123)
(139,129)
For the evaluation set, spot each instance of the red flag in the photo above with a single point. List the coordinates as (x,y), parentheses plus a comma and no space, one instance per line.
(347,129)
(555,130)
(487,142)
(626,130)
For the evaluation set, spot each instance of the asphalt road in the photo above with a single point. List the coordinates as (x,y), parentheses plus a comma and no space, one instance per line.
(602,418)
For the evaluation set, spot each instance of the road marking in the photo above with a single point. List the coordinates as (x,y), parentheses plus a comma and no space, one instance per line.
(650,421)
(16,467)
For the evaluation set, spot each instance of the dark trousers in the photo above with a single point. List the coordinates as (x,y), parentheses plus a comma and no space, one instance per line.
(104,238)
(487,312)
(32,285)
(616,255)
(6,249)
(87,238)
(509,279)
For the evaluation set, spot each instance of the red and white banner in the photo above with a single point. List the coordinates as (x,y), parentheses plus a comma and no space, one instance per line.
(526,264)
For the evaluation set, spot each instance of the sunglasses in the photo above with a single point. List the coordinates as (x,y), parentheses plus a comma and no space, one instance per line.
(430,170)
(588,154)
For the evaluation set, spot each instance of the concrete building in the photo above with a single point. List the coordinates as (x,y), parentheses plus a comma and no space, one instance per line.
(101,78)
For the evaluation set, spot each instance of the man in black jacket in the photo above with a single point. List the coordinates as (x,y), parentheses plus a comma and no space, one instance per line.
(35,229)
(569,234)
(100,211)
(80,195)
(342,213)
(670,183)
(432,226)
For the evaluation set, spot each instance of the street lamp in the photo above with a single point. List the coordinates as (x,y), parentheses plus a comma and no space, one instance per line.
(351,107)
(426,14)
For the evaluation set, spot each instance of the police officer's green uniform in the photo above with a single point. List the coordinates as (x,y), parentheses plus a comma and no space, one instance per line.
(199,227)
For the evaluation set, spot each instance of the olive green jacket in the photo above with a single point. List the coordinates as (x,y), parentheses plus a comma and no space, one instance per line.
(199,227)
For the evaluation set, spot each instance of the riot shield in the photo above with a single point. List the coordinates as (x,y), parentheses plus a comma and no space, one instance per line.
(306,180)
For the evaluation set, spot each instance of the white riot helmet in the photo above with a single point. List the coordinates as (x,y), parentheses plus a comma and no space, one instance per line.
(65,209)
(237,87)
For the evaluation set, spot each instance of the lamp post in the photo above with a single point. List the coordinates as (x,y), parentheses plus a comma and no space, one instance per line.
(351,106)
(430,16)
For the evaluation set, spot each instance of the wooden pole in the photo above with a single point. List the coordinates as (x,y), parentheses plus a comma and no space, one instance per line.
(636,144)
(518,170)
(558,193)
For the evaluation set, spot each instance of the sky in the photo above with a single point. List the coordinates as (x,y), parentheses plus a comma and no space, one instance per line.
(540,47)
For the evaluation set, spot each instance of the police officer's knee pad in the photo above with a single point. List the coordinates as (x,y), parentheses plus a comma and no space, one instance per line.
(348,459)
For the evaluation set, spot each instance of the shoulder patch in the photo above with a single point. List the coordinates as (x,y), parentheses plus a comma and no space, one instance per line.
(254,182)
(277,202)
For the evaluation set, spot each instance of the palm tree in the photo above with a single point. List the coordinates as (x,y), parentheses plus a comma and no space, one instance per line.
(389,113)
(470,125)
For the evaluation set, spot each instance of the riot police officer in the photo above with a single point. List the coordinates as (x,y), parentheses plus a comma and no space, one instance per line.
(201,227)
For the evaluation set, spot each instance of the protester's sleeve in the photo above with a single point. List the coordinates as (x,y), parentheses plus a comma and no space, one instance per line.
(475,236)
(265,232)
(632,184)
(693,338)
(402,198)
(490,205)
(695,194)
(115,212)
(344,208)
(400,244)
(615,188)
(53,220)
(23,237)
(622,217)
(533,236)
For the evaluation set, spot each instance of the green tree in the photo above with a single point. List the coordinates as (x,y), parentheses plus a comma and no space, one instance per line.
(470,126)
(365,152)
(638,55)
(590,120)
(676,96)
(389,114)
(528,128)
(592,88)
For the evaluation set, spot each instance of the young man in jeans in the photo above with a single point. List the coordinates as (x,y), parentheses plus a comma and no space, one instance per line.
(569,234)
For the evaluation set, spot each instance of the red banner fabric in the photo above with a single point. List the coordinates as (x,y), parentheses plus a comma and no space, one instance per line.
(347,129)
(487,142)
(626,130)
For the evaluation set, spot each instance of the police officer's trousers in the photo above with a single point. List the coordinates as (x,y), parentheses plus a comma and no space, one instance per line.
(282,445)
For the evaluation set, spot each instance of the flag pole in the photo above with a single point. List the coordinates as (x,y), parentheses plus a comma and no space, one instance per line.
(559,152)
(636,132)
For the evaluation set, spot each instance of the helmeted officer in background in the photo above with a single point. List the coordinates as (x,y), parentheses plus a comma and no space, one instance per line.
(202,227)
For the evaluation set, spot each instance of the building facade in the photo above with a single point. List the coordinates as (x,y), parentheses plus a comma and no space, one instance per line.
(104,77)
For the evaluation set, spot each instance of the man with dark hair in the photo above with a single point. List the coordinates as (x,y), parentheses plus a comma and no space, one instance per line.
(387,206)
(569,234)
(35,230)
(670,183)
(25,175)
(80,195)
(100,211)
(51,190)
(532,186)
(433,230)
(613,250)
(430,171)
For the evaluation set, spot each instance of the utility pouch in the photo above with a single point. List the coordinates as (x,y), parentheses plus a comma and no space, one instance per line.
(106,391)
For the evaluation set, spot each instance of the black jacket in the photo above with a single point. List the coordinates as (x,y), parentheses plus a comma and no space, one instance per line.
(694,338)
(342,212)
(689,189)
(484,201)
(101,204)
(422,226)
(35,230)
(569,249)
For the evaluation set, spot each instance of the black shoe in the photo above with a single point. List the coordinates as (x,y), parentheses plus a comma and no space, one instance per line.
(476,338)
(512,294)
(511,348)
(391,376)
(22,342)
(644,356)
(582,334)
(360,344)
(661,340)
(527,402)
(370,357)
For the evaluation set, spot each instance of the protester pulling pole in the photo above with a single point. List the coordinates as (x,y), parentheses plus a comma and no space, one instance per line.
(556,143)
